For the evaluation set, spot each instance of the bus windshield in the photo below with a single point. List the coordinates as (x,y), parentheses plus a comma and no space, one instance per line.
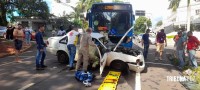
(116,23)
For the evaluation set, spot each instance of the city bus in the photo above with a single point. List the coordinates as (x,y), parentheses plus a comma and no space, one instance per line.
(112,20)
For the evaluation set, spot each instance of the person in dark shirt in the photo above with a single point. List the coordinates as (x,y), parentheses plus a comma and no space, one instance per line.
(41,48)
(161,42)
(70,28)
(145,43)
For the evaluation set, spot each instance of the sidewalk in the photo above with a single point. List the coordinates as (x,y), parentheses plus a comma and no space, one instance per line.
(157,71)
(7,48)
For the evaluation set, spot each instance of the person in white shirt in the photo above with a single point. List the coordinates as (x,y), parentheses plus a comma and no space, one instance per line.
(72,36)
(61,32)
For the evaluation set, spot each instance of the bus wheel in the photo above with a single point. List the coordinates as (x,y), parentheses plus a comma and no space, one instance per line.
(118,65)
(62,57)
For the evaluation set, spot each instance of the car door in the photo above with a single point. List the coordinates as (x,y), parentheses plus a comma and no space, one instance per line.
(103,62)
(63,44)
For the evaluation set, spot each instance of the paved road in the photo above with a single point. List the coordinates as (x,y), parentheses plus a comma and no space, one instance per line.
(23,76)
(20,76)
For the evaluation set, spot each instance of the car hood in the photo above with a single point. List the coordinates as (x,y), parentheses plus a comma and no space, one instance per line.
(96,35)
(93,35)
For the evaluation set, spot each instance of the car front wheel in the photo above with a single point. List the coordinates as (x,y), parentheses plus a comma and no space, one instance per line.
(118,65)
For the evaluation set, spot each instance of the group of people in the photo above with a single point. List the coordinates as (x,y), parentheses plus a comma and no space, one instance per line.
(73,35)
(161,42)
(27,33)
(185,42)
(83,51)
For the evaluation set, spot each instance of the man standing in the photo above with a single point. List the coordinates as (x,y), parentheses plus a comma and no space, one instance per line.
(160,42)
(180,45)
(41,49)
(145,43)
(61,32)
(83,54)
(192,45)
(18,35)
(71,46)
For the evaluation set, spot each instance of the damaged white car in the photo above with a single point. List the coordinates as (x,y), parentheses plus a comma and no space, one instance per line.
(119,58)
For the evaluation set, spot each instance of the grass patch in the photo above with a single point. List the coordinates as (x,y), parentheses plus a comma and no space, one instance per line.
(196,74)
(170,37)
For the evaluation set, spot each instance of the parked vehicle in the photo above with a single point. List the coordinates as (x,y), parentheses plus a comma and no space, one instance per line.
(3,31)
(152,38)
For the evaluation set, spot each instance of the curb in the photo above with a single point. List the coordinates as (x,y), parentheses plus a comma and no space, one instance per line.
(9,54)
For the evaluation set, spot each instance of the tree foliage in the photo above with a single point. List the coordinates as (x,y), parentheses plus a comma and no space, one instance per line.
(32,8)
(159,23)
(25,8)
(142,23)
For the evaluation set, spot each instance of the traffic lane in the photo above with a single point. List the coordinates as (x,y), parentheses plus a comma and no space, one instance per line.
(16,75)
(23,75)
(65,80)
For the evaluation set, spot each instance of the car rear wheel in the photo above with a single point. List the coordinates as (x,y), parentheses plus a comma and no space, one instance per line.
(118,65)
(63,57)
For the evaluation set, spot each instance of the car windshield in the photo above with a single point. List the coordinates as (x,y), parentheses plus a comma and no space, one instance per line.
(118,21)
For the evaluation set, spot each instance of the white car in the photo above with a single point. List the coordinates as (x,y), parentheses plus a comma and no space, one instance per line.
(120,59)
(152,38)
(3,31)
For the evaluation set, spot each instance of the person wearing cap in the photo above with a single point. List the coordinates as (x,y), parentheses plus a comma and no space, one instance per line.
(145,43)
(180,45)
(83,54)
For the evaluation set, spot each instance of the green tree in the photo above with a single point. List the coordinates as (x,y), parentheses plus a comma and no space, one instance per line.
(33,8)
(159,23)
(141,24)
(78,10)
(174,4)
(26,8)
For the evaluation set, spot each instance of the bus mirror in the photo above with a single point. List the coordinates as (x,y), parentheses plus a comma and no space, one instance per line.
(133,17)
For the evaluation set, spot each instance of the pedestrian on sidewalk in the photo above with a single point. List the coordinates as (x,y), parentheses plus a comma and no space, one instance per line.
(83,53)
(18,41)
(9,33)
(161,42)
(145,43)
(41,49)
(28,34)
(71,46)
(180,47)
(192,45)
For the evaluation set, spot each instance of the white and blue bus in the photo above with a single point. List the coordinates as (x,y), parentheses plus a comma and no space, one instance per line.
(113,20)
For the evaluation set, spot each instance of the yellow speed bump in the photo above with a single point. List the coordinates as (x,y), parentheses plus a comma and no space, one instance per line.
(110,82)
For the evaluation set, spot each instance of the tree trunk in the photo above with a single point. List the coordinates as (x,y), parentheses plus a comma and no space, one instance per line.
(3,20)
(188,17)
